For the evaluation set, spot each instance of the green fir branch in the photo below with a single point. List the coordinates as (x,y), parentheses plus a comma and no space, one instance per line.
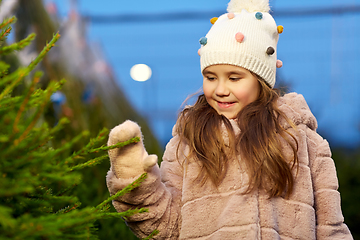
(124,215)
(7,21)
(5,25)
(68,145)
(37,181)
(67,189)
(34,141)
(5,33)
(125,190)
(6,218)
(11,102)
(15,79)
(32,121)
(50,199)
(51,155)
(19,74)
(55,225)
(39,136)
(43,137)
(51,89)
(4,68)
(89,163)
(152,235)
(46,49)
(99,138)
(37,98)
(31,89)
(89,147)
(16,46)
(9,189)
(118,145)
(88,150)
(69,208)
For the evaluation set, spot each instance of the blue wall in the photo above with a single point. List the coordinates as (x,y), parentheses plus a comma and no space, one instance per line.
(321,56)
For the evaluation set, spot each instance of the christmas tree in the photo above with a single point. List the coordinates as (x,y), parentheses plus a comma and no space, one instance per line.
(38,176)
(90,101)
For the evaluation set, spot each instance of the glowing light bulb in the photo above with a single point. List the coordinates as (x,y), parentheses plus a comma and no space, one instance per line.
(140,72)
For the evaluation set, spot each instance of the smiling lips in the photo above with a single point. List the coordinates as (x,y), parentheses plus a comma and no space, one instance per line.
(225,104)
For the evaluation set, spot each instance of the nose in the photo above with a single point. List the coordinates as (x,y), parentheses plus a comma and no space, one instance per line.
(222,89)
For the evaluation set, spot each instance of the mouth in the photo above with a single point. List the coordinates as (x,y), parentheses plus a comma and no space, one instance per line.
(225,104)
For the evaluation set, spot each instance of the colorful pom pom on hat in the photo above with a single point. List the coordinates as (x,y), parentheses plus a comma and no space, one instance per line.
(246,36)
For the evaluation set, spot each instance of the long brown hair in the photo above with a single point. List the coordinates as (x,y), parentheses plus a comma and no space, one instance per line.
(258,142)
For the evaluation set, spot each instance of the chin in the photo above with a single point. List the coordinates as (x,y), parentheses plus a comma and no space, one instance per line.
(228,116)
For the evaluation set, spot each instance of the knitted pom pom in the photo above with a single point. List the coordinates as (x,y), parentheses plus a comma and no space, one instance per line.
(280,29)
(213,20)
(203,41)
(249,5)
(270,51)
(259,15)
(230,15)
(239,37)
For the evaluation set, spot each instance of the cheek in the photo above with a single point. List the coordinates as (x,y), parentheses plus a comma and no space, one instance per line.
(246,95)
(207,89)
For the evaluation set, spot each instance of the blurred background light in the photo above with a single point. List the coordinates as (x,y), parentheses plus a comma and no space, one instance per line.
(140,72)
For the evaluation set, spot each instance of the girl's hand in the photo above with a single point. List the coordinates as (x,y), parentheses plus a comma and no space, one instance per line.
(130,160)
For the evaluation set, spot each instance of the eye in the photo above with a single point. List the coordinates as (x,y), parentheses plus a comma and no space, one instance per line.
(210,78)
(234,79)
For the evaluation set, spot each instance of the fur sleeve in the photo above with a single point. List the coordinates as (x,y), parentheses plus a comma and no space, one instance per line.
(160,193)
(329,218)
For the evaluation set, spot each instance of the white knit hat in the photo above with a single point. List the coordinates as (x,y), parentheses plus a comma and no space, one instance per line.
(246,36)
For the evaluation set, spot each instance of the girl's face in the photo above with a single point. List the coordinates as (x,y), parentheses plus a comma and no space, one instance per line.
(229,88)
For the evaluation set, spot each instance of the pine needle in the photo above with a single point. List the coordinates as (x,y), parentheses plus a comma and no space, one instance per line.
(122,192)
(153,234)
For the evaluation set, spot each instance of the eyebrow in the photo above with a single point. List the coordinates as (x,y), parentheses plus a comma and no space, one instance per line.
(236,72)
(229,73)
(207,72)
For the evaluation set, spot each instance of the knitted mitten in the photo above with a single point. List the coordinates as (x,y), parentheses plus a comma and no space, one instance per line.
(130,160)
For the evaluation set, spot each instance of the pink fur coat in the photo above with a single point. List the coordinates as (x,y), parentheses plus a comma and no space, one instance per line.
(181,209)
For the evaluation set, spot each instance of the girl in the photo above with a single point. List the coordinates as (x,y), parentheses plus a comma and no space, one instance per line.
(243,162)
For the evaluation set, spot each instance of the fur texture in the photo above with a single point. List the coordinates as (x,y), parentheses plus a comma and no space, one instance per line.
(235,6)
